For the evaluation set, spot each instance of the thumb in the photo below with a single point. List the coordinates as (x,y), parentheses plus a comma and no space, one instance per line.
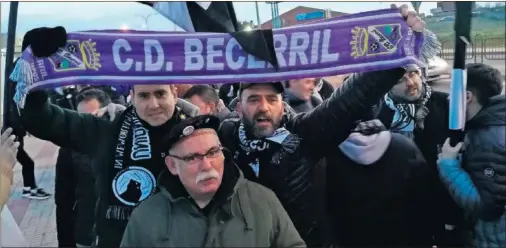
(459,146)
(111,111)
(447,142)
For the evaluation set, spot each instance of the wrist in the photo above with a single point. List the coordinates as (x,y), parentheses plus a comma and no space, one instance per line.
(6,173)
(448,157)
(448,161)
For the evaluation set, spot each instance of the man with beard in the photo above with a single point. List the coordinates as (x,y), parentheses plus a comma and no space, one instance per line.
(280,150)
(411,108)
(127,153)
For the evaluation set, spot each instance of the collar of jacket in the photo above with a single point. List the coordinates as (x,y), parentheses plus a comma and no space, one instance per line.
(492,114)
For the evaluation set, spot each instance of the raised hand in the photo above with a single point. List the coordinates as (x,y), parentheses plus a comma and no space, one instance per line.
(411,17)
(8,149)
(450,152)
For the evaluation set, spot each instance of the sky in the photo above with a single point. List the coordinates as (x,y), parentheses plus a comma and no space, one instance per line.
(76,16)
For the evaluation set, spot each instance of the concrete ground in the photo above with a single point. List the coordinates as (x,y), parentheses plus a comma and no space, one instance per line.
(36,218)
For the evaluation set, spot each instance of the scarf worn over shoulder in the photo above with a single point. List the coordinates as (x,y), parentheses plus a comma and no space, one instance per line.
(271,149)
(138,159)
(409,115)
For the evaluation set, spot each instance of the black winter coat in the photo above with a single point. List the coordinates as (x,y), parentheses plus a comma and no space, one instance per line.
(383,204)
(485,157)
(75,195)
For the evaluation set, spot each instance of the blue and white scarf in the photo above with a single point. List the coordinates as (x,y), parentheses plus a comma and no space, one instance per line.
(409,116)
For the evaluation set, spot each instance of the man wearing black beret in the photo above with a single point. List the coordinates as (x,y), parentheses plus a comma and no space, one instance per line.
(206,201)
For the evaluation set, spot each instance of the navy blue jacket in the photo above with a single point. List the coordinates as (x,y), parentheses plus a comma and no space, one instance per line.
(478,184)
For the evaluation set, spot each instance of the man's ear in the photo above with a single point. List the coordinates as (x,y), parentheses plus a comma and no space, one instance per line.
(171,165)
(238,107)
(174,92)
(132,94)
(469,96)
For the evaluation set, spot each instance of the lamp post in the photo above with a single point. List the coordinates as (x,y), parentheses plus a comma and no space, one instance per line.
(276,23)
(258,14)
(9,61)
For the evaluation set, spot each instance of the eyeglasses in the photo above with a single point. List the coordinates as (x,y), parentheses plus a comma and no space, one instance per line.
(193,159)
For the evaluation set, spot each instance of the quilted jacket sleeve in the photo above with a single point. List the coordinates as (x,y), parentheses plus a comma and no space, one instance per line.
(485,161)
(465,190)
(459,183)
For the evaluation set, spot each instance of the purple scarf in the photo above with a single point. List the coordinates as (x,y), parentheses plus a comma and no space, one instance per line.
(368,41)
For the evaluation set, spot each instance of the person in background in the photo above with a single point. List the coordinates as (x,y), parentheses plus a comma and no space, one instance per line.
(181,89)
(324,88)
(413,109)
(302,94)
(377,188)
(206,99)
(74,194)
(227,93)
(205,200)
(477,180)
(30,188)
(115,92)
(187,107)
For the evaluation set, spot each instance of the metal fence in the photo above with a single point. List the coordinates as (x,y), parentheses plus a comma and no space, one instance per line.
(481,49)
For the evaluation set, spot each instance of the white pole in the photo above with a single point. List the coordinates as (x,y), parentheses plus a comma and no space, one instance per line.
(258,15)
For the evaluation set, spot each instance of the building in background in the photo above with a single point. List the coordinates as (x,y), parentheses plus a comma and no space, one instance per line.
(301,15)
(3,45)
(3,40)
(445,9)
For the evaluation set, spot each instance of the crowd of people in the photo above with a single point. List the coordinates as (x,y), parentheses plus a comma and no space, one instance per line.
(274,164)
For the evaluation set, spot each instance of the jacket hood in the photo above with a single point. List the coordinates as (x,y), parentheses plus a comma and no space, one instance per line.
(492,114)
(366,149)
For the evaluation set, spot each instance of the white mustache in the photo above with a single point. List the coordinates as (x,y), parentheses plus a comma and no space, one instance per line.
(213,174)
